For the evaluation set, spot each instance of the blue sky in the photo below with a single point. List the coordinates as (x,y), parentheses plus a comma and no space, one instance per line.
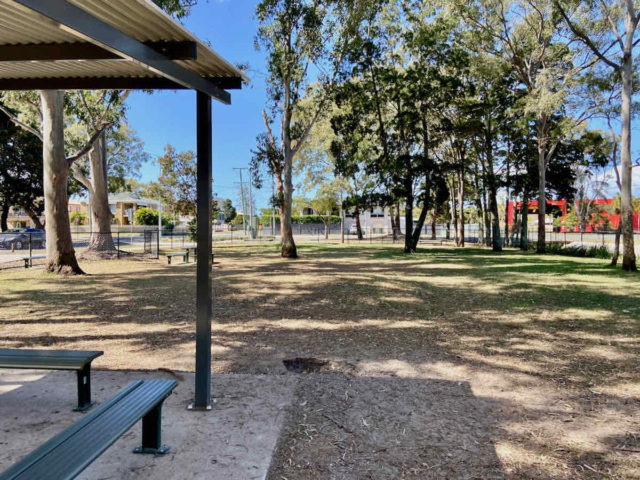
(168,117)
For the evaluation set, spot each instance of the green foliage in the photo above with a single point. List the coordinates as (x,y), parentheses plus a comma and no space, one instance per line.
(571,220)
(229,211)
(20,167)
(178,8)
(148,216)
(237,220)
(192,227)
(176,185)
(579,251)
(78,218)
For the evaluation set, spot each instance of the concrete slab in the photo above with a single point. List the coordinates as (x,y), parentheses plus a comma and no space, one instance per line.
(234,441)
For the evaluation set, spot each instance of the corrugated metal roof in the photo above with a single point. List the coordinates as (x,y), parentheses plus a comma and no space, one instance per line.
(139,19)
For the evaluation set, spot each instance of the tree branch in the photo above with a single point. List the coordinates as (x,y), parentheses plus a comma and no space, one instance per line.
(585,38)
(15,120)
(84,150)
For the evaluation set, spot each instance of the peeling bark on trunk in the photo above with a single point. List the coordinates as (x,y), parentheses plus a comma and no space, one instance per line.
(101,237)
(61,257)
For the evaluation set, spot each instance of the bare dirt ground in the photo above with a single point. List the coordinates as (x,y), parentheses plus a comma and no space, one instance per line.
(446,364)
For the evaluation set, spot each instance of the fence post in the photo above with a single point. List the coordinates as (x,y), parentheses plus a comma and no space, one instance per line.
(30,249)
(158,245)
(118,248)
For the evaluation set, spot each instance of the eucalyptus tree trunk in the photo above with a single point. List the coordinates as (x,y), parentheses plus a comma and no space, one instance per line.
(289,249)
(398,218)
(486,214)
(506,205)
(616,246)
(542,180)
(479,207)
(496,240)
(408,225)
(32,216)
(434,221)
(626,207)
(358,224)
(394,224)
(454,212)
(524,230)
(461,203)
(61,257)
(101,239)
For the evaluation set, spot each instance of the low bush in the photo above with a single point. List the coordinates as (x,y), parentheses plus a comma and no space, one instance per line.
(590,251)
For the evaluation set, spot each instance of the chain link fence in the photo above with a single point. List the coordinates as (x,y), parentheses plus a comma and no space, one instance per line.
(20,248)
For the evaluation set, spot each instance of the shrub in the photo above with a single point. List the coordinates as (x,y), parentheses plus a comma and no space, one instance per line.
(78,217)
(147,216)
(590,251)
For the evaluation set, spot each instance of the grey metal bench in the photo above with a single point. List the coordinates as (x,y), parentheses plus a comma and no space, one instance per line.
(28,261)
(184,255)
(67,454)
(78,360)
(195,254)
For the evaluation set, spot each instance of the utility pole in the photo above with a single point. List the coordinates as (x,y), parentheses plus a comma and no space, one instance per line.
(251,233)
(244,210)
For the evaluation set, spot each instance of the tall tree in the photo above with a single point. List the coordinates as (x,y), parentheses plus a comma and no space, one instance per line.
(299,36)
(526,34)
(610,31)
(43,114)
(176,185)
(92,110)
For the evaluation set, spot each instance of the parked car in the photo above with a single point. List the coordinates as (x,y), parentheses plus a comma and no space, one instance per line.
(18,238)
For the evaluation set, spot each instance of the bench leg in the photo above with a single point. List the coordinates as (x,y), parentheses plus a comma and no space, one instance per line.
(84,389)
(152,433)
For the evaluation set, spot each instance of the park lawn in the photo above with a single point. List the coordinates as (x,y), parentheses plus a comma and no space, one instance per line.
(548,344)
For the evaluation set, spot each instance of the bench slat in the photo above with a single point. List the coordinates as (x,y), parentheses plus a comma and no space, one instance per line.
(70,452)
(46,359)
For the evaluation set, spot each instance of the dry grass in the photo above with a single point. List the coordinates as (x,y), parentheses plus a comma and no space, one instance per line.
(548,345)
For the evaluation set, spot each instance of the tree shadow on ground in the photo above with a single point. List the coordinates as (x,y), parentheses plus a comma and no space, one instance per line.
(534,326)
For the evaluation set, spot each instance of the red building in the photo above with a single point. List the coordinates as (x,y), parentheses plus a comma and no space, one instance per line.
(592,226)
